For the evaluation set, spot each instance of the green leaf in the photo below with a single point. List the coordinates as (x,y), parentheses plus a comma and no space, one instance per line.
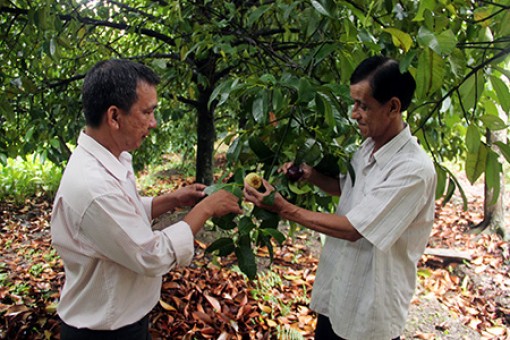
(473,139)
(159,63)
(324,109)
(260,149)
(305,90)
(493,122)
(260,107)
(224,245)
(269,199)
(475,163)
(276,234)
(277,99)
(502,92)
(471,90)
(430,74)
(400,39)
(319,7)
(245,226)
(223,91)
(256,14)
(442,44)
(298,188)
(226,222)
(505,150)
(447,42)
(310,152)
(267,218)
(230,187)
(6,109)
(424,5)
(450,191)
(246,258)
(441,180)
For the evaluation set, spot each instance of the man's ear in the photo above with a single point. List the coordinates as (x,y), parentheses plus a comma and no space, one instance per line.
(112,117)
(395,105)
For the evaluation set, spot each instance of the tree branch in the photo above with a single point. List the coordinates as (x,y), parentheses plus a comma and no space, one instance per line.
(144,31)
(455,88)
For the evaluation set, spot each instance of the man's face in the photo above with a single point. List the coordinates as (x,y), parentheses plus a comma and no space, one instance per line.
(135,126)
(373,117)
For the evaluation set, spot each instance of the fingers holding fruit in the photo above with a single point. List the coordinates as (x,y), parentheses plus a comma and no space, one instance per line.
(253,180)
(266,199)
(295,172)
(222,203)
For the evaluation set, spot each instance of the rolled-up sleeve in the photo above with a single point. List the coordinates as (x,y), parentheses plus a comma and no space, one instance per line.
(147,205)
(114,229)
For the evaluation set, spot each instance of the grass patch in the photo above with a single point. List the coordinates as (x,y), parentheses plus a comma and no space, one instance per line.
(31,176)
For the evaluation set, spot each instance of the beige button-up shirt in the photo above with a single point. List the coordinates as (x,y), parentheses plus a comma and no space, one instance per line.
(365,287)
(101,228)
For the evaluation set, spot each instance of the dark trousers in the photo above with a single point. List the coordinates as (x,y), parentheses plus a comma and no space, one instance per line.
(136,331)
(324,330)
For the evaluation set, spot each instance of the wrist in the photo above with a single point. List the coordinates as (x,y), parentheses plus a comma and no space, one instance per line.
(285,209)
(172,202)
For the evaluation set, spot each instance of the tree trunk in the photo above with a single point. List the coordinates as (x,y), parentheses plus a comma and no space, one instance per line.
(206,132)
(206,136)
(494,213)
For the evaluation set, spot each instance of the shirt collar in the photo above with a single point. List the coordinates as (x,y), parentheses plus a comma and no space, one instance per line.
(118,167)
(388,150)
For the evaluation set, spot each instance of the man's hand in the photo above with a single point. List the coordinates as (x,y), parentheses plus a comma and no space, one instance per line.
(306,170)
(221,203)
(189,195)
(217,204)
(256,197)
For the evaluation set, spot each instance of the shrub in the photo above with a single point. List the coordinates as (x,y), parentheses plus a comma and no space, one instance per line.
(22,178)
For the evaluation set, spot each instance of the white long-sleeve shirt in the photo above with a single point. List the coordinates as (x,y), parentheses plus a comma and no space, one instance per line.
(101,228)
(365,287)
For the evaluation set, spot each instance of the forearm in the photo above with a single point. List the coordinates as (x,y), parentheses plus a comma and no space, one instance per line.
(328,224)
(197,217)
(162,204)
(329,185)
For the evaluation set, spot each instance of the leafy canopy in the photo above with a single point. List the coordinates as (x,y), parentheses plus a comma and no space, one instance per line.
(274,76)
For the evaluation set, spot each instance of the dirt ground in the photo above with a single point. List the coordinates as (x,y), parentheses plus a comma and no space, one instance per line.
(428,318)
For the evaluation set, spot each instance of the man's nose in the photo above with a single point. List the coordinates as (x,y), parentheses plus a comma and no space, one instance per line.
(153,122)
(355,112)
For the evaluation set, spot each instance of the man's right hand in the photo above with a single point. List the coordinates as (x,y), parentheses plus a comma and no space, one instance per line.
(222,203)
(217,204)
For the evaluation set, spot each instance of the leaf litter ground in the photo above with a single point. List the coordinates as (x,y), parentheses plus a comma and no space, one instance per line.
(211,299)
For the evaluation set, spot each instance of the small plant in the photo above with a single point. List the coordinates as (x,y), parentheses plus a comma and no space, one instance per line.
(51,256)
(288,333)
(28,177)
(36,269)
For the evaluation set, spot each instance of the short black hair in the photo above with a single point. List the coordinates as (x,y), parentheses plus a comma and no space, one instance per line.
(386,80)
(113,82)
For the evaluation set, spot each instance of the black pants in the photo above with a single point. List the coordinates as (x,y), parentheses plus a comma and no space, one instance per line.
(324,330)
(136,331)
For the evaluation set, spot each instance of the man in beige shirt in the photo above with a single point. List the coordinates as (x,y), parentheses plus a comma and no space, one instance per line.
(367,270)
(101,227)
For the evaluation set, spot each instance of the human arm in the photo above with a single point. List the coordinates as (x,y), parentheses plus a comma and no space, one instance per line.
(329,224)
(182,197)
(328,184)
(218,204)
(115,230)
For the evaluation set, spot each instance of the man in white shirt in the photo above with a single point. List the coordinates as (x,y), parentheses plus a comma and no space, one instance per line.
(101,227)
(367,270)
